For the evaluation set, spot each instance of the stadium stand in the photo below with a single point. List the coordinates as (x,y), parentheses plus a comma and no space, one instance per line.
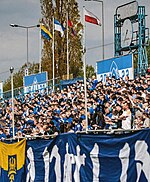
(111,105)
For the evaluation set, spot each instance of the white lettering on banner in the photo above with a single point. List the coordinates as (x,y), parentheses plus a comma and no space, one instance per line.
(73,159)
(78,160)
(124,157)
(142,159)
(95,160)
(121,73)
(31,167)
(55,154)
(46,162)
(69,160)
(35,87)
(67,166)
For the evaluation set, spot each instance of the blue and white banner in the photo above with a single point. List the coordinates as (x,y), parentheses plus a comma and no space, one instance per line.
(117,67)
(90,158)
(35,82)
(1,89)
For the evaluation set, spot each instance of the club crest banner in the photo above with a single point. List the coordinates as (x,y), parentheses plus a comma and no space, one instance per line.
(12,161)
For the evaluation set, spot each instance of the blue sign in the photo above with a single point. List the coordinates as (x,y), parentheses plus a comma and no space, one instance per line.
(35,82)
(117,67)
(1,89)
(87,158)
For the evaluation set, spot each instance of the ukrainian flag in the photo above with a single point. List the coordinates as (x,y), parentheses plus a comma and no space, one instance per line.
(45,33)
(12,161)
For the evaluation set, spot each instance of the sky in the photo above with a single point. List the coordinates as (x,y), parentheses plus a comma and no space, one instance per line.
(13,41)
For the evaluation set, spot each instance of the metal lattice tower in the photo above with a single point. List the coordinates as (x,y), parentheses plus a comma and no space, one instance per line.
(139,34)
(142,54)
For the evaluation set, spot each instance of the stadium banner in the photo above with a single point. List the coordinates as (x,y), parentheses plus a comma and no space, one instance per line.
(118,67)
(12,161)
(1,89)
(35,82)
(90,158)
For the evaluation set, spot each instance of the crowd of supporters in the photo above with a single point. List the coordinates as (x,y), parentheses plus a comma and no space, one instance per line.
(113,104)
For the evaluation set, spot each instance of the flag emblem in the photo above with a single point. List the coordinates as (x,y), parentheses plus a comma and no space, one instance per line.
(12,161)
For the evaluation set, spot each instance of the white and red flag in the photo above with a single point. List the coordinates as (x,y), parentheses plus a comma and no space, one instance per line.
(91,18)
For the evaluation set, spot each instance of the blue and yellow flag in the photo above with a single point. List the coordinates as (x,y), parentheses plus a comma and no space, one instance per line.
(45,33)
(12,161)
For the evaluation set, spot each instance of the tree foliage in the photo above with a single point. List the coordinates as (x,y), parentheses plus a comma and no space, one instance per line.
(18,76)
(59,10)
(90,71)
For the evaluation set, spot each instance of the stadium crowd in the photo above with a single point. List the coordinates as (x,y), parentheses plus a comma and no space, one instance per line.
(113,104)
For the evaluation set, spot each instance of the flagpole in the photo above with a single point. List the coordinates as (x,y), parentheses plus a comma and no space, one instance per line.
(53,58)
(67,50)
(40,50)
(84,68)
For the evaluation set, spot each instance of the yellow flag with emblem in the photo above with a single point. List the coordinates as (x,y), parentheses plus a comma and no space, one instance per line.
(12,161)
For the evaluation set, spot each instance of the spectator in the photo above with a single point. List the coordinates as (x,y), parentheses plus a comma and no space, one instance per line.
(2,134)
(126,116)
(146,120)
(113,104)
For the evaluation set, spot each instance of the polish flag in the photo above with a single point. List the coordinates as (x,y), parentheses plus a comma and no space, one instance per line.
(91,18)
(71,26)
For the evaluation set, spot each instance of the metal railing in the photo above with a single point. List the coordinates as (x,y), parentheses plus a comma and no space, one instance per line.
(20,90)
(94,132)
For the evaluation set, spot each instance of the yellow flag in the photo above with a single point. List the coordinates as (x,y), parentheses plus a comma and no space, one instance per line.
(12,157)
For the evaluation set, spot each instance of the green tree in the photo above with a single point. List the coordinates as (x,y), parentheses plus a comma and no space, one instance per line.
(18,76)
(90,71)
(75,47)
